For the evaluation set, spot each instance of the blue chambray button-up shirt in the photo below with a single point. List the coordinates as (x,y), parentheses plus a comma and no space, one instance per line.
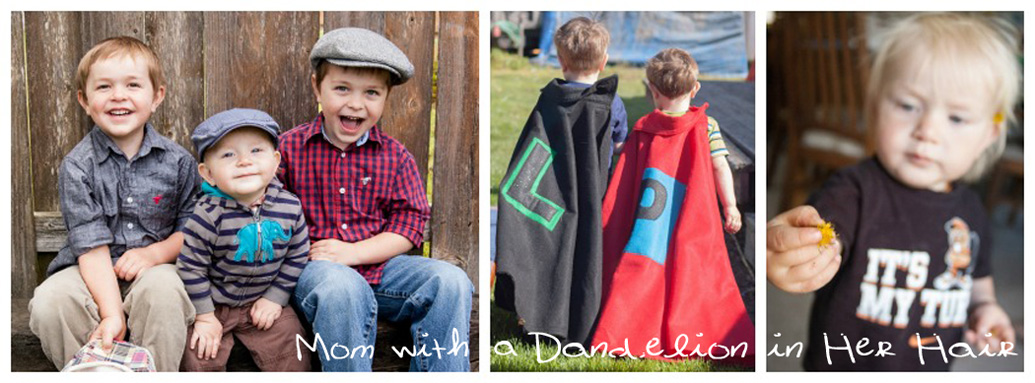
(107,199)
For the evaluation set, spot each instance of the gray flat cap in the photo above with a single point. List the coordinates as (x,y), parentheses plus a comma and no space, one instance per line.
(358,47)
(210,131)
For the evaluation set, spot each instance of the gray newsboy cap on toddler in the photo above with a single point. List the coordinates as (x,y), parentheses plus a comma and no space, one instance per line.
(214,128)
(358,47)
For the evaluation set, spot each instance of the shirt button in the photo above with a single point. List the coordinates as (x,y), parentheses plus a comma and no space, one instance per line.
(129,225)
(342,190)
(129,200)
(344,226)
(342,154)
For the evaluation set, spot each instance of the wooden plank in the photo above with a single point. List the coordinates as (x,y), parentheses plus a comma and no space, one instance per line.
(407,117)
(455,212)
(53,41)
(176,39)
(266,68)
(374,21)
(50,231)
(97,26)
(23,241)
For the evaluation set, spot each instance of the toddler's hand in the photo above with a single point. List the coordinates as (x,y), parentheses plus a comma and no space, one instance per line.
(795,261)
(989,318)
(335,251)
(732,219)
(133,262)
(110,329)
(208,333)
(264,312)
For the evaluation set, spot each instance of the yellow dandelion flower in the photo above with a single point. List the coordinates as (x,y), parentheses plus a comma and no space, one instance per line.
(827,229)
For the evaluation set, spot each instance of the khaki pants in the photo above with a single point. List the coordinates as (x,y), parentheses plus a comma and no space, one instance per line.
(272,349)
(62,313)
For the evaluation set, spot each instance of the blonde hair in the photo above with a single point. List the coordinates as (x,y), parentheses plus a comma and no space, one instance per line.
(582,44)
(956,47)
(673,72)
(120,46)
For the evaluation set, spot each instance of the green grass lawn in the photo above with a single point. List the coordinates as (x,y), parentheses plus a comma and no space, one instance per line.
(515,88)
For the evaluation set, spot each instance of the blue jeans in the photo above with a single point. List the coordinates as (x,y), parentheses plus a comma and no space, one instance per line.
(433,295)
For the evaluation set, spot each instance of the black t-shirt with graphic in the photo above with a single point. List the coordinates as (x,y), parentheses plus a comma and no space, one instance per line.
(909,261)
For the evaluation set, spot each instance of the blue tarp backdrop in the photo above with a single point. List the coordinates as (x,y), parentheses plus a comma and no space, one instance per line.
(715,39)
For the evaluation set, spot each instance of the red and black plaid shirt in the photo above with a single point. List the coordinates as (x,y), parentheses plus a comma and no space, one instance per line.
(357,193)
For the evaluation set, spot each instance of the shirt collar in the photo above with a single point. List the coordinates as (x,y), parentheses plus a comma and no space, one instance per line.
(273,190)
(372,135)
(102,143)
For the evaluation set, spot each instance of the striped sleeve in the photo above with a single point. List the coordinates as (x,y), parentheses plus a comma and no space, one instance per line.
(715,142)
(294,261)
(195,259)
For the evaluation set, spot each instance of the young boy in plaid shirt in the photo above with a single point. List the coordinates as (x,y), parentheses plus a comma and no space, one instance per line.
(365,206)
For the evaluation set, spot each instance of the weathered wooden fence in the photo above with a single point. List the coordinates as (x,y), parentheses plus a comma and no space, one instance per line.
(219,60)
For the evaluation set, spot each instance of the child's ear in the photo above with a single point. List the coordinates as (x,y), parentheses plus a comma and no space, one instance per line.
(603,63)
(993,135)
(316,87)
(654,94)
(206,174)
(159,97)
(276,156)
(697,88)
(82,101)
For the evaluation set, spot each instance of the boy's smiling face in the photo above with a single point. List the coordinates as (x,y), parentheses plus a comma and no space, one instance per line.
(119,95)
(352,102)
(932,128)
(241,164)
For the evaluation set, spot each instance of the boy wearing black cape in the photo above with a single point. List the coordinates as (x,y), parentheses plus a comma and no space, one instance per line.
(549,242)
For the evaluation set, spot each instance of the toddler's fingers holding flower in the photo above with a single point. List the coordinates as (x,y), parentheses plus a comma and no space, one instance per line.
(802,253)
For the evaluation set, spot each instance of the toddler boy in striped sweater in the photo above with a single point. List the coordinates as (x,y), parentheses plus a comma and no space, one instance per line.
(244,248)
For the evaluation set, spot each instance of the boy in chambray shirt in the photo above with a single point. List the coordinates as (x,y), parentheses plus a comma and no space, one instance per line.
(125,192)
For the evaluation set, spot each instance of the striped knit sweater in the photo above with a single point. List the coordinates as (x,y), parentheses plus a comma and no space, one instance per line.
(226,257)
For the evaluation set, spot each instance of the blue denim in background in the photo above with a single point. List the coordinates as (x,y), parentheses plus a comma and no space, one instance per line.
(434,295)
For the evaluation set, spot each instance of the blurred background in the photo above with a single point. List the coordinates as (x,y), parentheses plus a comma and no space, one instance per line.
(817,68)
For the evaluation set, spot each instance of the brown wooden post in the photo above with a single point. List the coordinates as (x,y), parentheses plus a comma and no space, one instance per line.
(374,21)
(407,117)
(260,60)
(23,238)
(455,213)
(176,39)
(53,43)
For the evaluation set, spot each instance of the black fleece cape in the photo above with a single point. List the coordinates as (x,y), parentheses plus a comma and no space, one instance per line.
(549,222)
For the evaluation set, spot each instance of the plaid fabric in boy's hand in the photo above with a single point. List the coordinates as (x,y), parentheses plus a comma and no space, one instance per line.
(133,357)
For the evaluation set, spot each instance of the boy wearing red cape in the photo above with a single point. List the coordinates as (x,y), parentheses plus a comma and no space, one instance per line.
(668,288)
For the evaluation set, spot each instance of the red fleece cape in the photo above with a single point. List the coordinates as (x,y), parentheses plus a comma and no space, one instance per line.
(667,275)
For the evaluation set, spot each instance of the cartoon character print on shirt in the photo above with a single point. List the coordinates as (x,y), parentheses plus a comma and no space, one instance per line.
(958,256)
(887,298)
(257,238)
